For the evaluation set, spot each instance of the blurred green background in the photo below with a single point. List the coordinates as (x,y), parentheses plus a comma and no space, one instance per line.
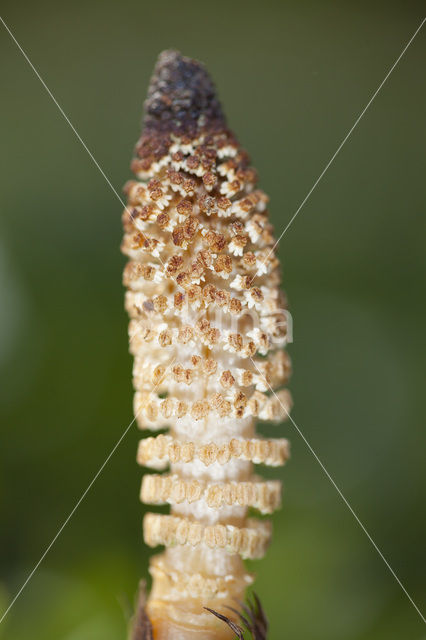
(293,77)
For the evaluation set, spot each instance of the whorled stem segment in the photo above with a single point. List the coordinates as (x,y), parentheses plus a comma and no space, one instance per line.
(207,324)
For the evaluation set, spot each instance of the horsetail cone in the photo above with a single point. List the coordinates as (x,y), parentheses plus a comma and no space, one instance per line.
(207,323)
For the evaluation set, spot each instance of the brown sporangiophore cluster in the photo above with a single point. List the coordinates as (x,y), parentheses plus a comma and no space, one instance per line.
(207,327)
